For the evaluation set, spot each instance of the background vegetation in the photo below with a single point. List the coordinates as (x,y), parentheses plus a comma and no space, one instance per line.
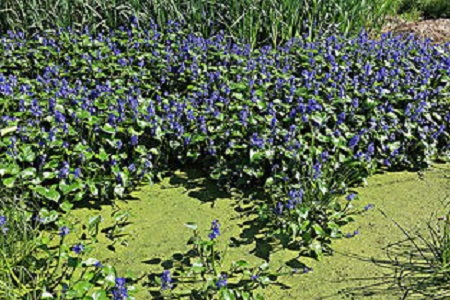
(255,21)
(428,9)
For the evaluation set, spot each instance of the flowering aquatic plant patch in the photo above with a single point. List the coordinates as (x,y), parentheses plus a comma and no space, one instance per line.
(89,116)
(203,274)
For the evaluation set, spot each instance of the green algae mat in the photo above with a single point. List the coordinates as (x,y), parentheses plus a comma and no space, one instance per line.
(366,266)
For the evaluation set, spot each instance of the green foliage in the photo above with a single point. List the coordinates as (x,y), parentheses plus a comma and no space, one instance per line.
(96,115)
(428,9)
(255,22)
(38,261)
(90,116)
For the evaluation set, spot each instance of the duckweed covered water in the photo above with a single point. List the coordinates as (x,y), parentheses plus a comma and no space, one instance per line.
(361,267)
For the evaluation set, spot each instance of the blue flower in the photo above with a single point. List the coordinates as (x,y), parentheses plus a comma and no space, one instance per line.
(371,149)
(317,167)
(78,248)
(64,171)
(77,172)
(222,281)
(215,230)
(351,197)
(166,280)
(325,155)
(368,206)
(63,231)
(354,141)
(350,235)
(257,141)
(98,264)
(120,291)
(120,282)
(278,209)
(3,221)
(134,140)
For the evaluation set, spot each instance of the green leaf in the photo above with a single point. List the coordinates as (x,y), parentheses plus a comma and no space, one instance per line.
(108,129)
(52,194)
(66,189)
(226,294)
(245,295)
(29,172)
(191,225)
(83,286)
(242,263)
(47,295)
(93,189)
(7,130)
(9,182)
(103,156)
(256,156)
(73,262)
(99,295)
(118,190)
(316,249)
(66,206)
(318,229)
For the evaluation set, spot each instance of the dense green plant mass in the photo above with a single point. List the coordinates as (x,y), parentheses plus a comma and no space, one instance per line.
(255,21)
(91,115)
(429,9)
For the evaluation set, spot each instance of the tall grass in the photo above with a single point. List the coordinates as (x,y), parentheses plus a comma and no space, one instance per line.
(427,271)
(255,21)
(17,246)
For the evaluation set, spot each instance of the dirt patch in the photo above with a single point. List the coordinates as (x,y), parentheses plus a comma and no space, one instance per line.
(438,31)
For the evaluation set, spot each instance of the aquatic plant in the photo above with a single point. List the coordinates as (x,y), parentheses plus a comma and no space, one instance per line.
(203,274)
(427,270)
(92,115)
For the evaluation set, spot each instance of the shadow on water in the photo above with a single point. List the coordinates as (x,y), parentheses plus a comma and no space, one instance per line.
(246,200)
(96,204)
(198,186)
(182,262)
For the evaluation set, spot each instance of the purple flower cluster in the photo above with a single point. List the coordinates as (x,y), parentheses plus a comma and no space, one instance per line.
(130,103)
(215,230)
(78,248)
(3,222)
(350,235)
(63,231)
(222,281)
(120,291)
(166,280)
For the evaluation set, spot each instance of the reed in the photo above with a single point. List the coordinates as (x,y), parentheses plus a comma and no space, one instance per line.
(254,21)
